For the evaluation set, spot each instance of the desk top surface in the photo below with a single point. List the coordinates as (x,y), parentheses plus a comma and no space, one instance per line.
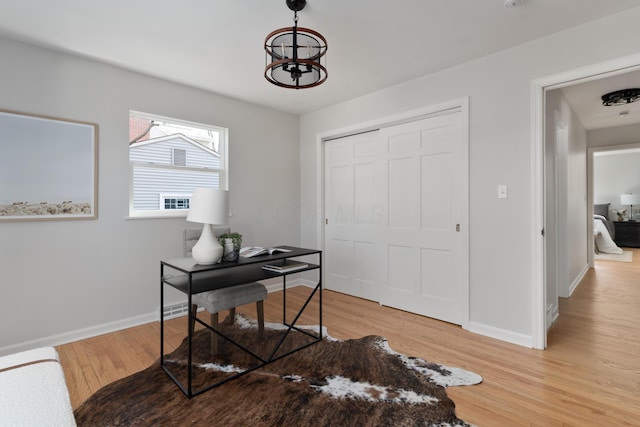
(188,265)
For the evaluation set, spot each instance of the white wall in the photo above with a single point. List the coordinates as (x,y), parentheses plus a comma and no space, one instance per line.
(613,175)
(577,213)
(499,88)
(569,232)
(554,158)
(620,135)
(65,279)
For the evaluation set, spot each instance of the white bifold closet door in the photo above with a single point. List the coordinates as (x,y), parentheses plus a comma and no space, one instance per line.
(394,210)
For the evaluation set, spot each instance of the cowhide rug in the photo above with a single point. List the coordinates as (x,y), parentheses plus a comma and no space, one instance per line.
(359,382)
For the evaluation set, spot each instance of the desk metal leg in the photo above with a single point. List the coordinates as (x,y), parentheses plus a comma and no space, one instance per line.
(284,300)
(190,334)
(320,295)
(161,315)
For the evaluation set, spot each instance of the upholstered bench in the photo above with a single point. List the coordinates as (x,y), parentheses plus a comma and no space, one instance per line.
(33,391)
(228,299)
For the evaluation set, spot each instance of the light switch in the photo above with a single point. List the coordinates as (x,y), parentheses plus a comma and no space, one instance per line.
(502,191)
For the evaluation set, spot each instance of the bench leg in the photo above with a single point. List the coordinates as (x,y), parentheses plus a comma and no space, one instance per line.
(260,309)
(214,336)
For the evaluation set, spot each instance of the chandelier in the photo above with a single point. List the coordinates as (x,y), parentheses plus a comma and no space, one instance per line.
(293,55)
(621,97)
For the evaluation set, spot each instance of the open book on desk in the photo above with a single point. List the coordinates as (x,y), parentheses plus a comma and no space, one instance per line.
(249,252)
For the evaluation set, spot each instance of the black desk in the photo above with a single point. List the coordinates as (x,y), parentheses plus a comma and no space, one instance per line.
(196,278)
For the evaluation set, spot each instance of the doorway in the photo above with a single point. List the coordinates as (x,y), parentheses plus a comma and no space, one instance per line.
(541,286)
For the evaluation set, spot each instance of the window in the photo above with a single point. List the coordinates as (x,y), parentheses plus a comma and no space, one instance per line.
(175,202)
(179,157)
(169,158)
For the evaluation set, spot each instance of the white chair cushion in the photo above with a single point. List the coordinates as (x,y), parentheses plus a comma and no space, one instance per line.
(226,298)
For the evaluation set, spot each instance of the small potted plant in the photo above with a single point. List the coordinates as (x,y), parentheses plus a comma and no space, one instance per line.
(231,242)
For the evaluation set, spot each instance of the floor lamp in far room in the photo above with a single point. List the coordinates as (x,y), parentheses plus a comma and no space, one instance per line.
(630,199)
(208,206)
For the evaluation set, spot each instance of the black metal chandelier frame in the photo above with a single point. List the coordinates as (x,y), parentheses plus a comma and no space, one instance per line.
(621,97)
(294,55)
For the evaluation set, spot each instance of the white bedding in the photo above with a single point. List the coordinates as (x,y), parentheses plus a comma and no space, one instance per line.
(604,242)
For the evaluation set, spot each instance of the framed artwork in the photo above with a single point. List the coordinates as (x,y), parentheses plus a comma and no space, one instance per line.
(48,168)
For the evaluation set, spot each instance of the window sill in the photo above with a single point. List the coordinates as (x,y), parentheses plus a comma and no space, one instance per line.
(157,215)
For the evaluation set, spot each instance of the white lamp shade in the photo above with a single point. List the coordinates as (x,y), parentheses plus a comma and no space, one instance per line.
(208,206)
(630,199)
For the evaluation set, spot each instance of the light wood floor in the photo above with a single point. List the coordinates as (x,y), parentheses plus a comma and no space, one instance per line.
(588,376)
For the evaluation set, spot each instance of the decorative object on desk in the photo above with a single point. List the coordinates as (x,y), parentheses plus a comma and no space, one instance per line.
(229,253)
(622,214)
(232,242)
(354,382)
(294,54)
(249,252)
(208,206)
(285,266)
(630,199)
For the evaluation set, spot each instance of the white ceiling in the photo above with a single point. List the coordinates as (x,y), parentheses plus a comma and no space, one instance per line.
(585,99)
(217,45)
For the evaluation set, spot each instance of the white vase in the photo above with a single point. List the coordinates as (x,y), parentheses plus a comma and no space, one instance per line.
(208,250)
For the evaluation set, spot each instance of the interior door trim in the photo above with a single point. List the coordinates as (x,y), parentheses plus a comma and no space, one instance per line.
(538,89)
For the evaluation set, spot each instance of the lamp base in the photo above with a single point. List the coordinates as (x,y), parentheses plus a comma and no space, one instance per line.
(208,250)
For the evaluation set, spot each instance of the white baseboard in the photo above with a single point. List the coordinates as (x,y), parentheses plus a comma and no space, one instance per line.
(105,328)
(552,315)
(275,287)
(501,334)
(80,334)
(578,279)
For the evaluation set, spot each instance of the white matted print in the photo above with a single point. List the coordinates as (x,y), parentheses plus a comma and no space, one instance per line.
(48,168)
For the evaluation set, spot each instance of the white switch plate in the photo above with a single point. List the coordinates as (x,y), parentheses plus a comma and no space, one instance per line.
(502,191)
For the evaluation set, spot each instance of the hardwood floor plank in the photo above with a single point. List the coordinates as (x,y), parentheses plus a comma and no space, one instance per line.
(588,376)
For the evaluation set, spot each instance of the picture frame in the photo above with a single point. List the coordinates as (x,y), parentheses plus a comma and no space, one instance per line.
(48,168)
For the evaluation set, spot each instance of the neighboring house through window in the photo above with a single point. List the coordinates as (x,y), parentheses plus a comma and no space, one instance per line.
(168,159)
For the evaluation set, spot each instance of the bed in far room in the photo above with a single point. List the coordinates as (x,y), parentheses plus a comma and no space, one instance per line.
(604,231)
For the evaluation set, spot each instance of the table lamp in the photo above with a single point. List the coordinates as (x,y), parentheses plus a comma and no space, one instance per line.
(208,206)
(630,199)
